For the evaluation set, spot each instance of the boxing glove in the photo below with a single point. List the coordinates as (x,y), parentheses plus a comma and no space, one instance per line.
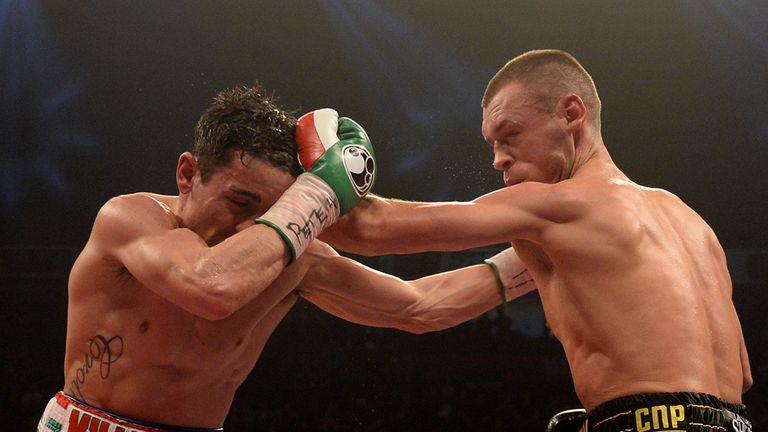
(327,143)
(340,170)
(511,274)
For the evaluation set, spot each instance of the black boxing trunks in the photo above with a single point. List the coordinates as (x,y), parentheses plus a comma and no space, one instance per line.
(67,414)
(668,412)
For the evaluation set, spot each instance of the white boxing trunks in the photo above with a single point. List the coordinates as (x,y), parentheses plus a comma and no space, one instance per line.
(67,414)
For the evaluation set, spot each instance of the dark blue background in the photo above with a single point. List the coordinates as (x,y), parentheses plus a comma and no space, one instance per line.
(99,99)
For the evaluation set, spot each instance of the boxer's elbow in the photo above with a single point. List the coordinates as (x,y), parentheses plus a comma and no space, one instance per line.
(415,327)
(220,302)
(421,325)
(211,300)
(225,294)
(211,297)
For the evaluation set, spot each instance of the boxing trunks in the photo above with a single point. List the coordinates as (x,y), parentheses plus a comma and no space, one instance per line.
(668,412)
(67,414)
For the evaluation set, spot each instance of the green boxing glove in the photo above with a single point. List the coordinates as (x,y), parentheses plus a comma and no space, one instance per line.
(341,170)
(338,151)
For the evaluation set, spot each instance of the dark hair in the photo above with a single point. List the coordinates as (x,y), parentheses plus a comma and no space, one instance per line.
(245,120)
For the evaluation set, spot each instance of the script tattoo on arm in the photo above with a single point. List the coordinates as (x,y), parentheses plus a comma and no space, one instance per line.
(102,352)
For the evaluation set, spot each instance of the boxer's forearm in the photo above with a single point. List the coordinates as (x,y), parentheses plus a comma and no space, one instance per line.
(360,230)
(451,298)
(380,226)
(362,295)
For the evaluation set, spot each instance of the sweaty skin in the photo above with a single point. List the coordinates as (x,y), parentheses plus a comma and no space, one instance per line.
(174,297)
(633,282)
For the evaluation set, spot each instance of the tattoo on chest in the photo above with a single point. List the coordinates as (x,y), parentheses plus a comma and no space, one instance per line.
(101,353)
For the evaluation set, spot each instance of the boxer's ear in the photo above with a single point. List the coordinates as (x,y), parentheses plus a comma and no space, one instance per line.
(186,170)
(573,110)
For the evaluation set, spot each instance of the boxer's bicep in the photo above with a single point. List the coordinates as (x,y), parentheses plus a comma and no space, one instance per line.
(135,233)
(174,262)
(500,217)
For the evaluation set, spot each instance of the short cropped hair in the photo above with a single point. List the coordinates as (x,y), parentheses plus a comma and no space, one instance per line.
(244,121)
(547,75)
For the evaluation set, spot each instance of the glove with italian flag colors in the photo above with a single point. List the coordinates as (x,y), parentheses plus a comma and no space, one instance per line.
(340,170)
(338,151)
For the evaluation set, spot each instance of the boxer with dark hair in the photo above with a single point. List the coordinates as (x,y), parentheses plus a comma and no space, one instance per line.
(173,298)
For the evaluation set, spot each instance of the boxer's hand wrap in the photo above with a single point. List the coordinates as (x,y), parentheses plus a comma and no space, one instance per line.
(302,212)
(338,151)
(339,160)
(511,274)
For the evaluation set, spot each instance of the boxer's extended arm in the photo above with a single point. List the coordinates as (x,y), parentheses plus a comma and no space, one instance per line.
(380,226)
(365,296)
(211,282)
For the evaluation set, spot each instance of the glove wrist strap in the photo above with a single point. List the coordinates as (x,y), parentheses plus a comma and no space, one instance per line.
(511,274)
(303,211)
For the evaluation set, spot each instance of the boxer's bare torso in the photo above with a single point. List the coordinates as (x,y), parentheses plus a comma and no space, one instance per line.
(173,298)
(635,286)
(633,282)
(136,354)
(164,328)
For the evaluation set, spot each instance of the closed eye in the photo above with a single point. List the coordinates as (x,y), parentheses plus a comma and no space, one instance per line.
(241,198)
(241,204)
(511,132)
(507,131)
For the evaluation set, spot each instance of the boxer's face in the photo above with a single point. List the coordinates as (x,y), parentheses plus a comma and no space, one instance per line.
(233,197)
(528,143)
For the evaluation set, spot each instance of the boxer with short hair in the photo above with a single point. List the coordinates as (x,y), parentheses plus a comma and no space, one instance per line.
(633,282)
(173,298)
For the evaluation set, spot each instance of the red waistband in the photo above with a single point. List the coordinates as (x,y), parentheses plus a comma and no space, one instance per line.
(80,419)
